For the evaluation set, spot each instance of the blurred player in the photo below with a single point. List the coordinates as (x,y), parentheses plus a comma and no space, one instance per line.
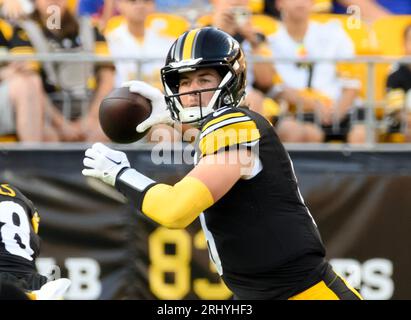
(19,241)
(261,236)
(20,246)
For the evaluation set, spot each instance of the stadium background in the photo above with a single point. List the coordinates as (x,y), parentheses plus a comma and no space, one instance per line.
(357,195)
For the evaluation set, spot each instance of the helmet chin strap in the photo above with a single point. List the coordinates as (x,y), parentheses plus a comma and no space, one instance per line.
(191,114)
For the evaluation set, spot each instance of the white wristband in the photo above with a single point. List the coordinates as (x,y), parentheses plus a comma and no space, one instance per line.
(135,179)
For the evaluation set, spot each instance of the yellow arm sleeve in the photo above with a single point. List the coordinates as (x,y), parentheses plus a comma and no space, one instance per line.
(177,206)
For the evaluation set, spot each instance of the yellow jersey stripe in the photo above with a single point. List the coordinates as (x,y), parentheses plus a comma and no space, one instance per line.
(188,44)
(222,118)
(230,135)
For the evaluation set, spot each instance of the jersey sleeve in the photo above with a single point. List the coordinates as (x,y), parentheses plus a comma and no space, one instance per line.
(227,129)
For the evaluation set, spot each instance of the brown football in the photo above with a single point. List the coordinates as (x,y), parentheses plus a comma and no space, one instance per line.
(120,113)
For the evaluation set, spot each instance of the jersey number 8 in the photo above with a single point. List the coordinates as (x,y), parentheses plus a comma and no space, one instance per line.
(15,232)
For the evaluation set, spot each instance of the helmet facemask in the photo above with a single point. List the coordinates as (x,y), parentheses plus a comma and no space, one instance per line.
(195,115)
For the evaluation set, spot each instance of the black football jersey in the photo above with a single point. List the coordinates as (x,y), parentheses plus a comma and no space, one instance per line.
(261,235)
(19,241)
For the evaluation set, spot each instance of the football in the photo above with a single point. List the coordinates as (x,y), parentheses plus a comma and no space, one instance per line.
(120,113)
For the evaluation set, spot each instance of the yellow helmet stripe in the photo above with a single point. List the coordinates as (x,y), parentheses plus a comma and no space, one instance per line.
(188,44)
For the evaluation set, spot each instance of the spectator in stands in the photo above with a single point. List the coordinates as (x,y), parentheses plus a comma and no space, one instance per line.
(178,5)
(320,6)
(22,110)
(101,10)
(75,88)
(399,97)
(372,10)
(325,97)
(91,7)
(16,9)
(136,37)
(234,17)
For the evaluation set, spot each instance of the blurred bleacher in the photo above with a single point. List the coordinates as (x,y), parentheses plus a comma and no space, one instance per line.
(378,45)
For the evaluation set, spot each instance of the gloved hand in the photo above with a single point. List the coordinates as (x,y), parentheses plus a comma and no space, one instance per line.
(52,290)
(159,114)
(104,163)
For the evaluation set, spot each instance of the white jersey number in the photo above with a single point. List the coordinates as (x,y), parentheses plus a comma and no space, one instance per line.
(15,233)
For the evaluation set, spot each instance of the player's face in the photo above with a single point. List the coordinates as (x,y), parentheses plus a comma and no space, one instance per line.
(197,80)
(295,9)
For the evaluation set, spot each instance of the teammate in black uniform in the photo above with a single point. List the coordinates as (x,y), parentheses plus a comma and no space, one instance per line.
(261,235)
(19,241)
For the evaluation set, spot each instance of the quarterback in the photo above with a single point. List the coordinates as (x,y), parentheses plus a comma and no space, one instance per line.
(261,236)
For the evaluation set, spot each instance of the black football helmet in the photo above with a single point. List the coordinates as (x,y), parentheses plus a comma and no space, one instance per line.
(204,48)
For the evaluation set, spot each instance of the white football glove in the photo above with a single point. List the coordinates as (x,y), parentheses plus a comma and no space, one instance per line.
(104,163)
(159,113)
(53,290)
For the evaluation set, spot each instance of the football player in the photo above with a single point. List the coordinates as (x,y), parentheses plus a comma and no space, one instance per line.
(20,246)
(260,234)
(19,239)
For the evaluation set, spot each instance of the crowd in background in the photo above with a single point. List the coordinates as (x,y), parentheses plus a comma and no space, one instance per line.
(289,46)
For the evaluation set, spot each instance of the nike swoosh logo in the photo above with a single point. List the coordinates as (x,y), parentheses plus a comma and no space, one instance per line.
(116,162)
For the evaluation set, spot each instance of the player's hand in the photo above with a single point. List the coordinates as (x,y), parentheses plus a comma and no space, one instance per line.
(104,163)
(53,290)
(159,113)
